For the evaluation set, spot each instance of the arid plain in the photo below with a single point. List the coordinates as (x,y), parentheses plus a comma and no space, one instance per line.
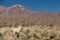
(28,25)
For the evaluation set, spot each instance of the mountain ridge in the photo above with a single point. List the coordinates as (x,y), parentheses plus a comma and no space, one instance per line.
(20,15)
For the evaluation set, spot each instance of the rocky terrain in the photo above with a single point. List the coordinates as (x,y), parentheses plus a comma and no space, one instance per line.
(34,25)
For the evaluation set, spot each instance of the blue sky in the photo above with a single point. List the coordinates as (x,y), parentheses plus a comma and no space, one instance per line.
(35,5)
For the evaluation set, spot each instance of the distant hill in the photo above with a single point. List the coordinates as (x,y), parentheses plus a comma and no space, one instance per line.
(19,15)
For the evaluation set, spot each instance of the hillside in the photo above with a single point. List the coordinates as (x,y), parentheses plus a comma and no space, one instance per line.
(20,15)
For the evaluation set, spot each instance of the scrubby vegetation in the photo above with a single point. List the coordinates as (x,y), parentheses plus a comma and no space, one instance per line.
(33,33)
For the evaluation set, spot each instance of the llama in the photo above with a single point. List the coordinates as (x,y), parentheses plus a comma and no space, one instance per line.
(16,30)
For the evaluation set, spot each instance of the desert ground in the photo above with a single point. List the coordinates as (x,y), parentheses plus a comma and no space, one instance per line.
(20,23)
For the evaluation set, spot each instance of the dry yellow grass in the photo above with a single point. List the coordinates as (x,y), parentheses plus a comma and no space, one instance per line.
(34,33)
(40,33)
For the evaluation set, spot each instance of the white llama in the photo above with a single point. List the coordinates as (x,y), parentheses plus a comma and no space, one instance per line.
(17,29)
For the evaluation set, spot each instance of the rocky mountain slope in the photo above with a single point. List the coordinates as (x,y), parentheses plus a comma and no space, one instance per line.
(20,15)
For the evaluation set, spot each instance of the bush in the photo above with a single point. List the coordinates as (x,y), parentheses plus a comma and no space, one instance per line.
(51,25)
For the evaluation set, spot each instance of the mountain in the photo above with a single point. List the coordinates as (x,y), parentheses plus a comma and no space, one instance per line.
(19,15)
(14,14)
(18,10)
(3,11)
